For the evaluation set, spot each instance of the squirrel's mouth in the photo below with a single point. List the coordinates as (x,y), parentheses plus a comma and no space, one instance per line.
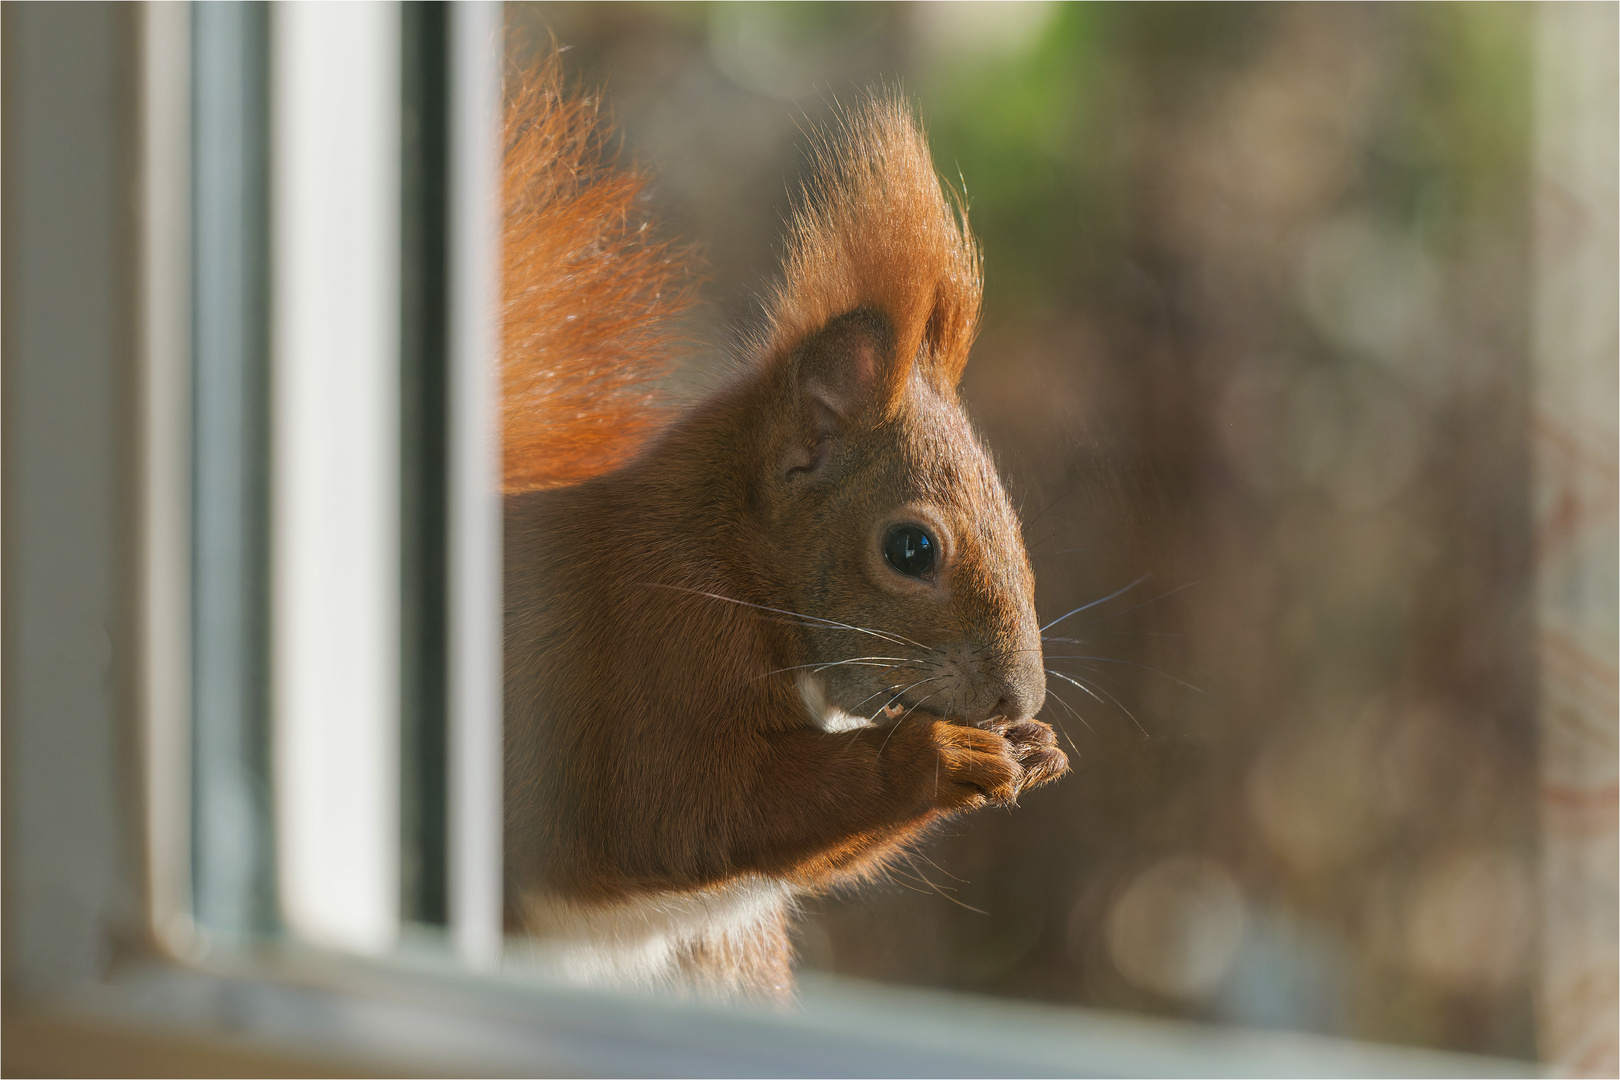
(823,713)
(829,717)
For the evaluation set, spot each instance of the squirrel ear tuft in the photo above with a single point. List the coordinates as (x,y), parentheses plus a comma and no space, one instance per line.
(847,367)
(874,231)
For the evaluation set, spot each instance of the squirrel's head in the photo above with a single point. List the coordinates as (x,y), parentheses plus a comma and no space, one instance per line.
(893,537)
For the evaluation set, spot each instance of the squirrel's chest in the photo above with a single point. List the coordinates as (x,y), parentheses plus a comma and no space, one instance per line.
(722,939)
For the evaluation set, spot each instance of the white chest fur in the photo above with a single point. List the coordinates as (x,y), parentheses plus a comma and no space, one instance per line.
(827,716)
(640,943)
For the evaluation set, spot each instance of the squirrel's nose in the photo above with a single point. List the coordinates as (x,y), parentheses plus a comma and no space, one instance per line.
(1023,693)
(1015,690)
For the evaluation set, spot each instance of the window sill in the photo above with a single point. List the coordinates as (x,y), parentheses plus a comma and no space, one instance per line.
(294,1012)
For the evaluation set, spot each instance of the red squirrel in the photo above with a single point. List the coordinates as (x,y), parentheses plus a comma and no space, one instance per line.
(755,648)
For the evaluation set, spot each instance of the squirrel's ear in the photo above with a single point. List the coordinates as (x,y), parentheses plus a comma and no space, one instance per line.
(846,370)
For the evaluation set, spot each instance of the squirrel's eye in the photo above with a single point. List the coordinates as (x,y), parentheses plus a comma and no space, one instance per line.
(909,550)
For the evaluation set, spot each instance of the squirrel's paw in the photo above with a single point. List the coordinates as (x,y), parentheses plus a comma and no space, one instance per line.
(1034,747)
(975,767)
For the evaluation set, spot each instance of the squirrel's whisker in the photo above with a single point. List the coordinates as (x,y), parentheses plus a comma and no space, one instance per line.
(1072,712)
(1077,683)
(1093,693)
(1145,603)
(1003,654)
(866,661)
(896,727)
(880,693)
(1120,706)
(896,639)
(1095,675)
(920,682)
(1094,603)
(859,661)
(1132,663)
(914,706)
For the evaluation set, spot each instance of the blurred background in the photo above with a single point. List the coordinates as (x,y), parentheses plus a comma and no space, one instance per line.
(1256,339)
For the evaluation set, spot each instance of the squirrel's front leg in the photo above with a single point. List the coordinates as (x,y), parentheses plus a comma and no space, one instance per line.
(829,801)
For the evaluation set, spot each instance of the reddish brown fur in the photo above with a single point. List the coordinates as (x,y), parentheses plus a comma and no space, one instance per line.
(657,739)
(875,230)
(591,299)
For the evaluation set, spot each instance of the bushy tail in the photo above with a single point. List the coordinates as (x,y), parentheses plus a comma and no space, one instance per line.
(591,298)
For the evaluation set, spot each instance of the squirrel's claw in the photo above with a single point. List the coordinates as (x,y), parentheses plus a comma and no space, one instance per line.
(1034,747)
